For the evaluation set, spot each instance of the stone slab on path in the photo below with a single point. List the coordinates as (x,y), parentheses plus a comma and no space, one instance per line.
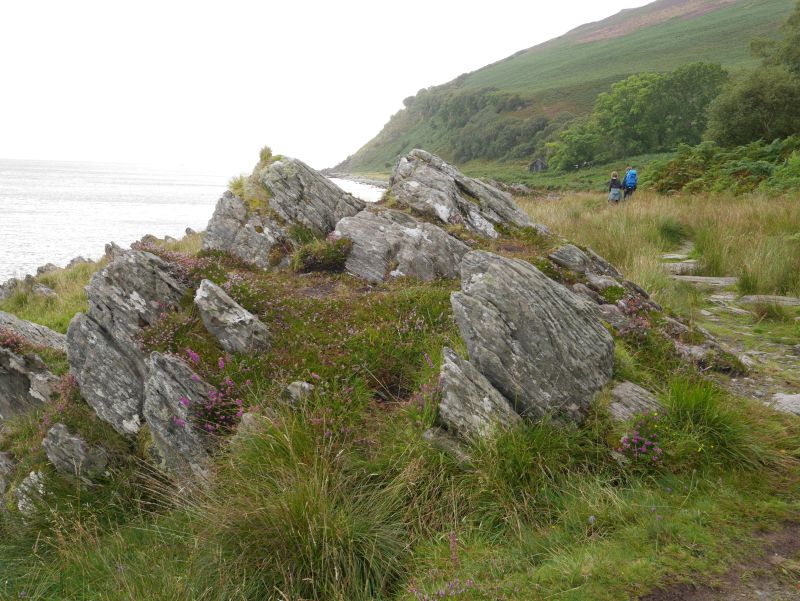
(711,282)
(768,299)
(687,267)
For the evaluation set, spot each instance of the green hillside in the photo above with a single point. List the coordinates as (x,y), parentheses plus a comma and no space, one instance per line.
(504,111)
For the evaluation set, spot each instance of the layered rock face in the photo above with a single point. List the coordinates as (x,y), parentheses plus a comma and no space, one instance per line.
(436,189)
(234,229)
(541,346)
(236,329)
(299,195)
(104,356)
(391,243)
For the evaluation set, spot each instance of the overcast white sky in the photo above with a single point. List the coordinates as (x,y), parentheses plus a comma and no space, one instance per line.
(206,84)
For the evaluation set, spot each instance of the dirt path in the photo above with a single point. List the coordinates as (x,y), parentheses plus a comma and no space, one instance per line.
(773,575)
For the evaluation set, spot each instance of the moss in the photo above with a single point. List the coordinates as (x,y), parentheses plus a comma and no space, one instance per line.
(322,255)
(613,293)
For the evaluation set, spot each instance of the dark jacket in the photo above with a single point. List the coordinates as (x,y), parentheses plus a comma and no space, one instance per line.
(615,183)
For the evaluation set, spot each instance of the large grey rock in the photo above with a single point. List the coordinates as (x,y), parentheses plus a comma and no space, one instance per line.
(46,268)
(72,455)
(302,196)
(172,392)
(435,188)
(104,355)
(628,400)
(110,373)
(25,383)
(242,233)
(541,346)
(391,243)
(7,464)
(8,288)
(768,299)
(297,392)
(236,329)
(471,407)
(786,403)
(32,332)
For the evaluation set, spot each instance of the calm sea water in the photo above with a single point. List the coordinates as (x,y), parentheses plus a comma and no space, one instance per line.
(51,212)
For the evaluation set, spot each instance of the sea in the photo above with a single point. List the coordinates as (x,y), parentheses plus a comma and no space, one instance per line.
(54,211)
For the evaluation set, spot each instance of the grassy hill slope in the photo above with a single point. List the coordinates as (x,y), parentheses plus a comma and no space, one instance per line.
(500,111)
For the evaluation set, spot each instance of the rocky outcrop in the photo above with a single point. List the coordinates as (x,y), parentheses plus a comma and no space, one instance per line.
(245,234)
(786,403)
(438,190)
(172,394)
(628,400)
(541,346)
(236,329)
(72,455)
(299,195)
(104,356)
(393,244)
(25,383)
(471,407)
(573,258)
(32,332)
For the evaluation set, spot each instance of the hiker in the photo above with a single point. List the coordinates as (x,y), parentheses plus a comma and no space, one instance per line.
(615,187)
(630,181)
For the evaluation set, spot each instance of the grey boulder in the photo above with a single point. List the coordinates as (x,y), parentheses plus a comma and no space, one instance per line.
(25,383)
(438,190)
(172,393)
(72,455)
(471,407)
(296,392)
(573,258)
(541,346)
(629,399)
(30,493)
(393,244)
(236,329)
(32,332)
(302,196)
(7,465)
(242,233)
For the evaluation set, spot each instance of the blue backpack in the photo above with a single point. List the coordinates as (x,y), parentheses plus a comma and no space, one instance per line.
(631,178)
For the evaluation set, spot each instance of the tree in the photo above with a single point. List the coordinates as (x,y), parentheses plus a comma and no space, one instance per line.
(762,105)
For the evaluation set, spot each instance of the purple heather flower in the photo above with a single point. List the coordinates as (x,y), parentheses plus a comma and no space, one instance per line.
(184,401)
(221,363)
(178,421)
(193,357)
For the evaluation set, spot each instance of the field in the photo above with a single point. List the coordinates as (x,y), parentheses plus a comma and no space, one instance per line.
(341,498)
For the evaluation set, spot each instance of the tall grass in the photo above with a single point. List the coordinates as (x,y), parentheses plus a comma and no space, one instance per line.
(753,237)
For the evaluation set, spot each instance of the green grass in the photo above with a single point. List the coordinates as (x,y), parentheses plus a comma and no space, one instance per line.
(341,498)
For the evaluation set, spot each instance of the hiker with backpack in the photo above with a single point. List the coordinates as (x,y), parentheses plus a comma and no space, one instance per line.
(615,187)
(630,181)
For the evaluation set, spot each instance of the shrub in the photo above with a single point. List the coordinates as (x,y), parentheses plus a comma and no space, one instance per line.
(322,255)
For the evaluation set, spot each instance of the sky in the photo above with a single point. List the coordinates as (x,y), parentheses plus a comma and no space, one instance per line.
(206,84)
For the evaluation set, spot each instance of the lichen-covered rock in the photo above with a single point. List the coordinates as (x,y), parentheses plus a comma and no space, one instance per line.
(172,392)
(30,492)
(302,196)
(7,464)
(104,355)
(786,403)
(72,455)
(541,346)
(25,383)
(236,329)
(435,188)
(628,400)
(393,244)
(32,332)
(471,407)
(600,283)
(243,233)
